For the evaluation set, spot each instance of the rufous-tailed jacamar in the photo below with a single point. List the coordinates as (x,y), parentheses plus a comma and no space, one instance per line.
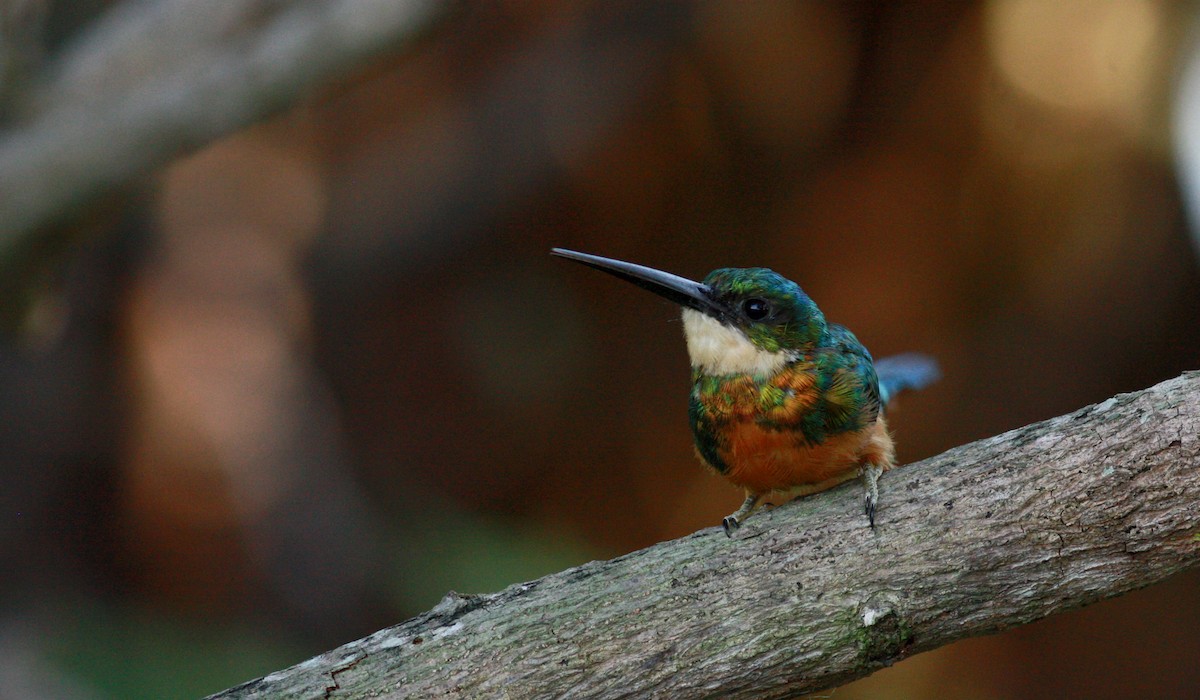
(782,401)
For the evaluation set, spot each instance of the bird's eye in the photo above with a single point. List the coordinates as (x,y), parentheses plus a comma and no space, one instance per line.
(756,309)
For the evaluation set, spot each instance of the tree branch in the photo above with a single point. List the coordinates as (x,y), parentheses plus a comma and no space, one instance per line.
(152,79)
(982,538)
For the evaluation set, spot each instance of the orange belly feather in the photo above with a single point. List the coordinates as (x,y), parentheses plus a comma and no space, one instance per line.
(762,461)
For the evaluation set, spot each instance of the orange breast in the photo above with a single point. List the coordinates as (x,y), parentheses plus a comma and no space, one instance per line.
(770,460)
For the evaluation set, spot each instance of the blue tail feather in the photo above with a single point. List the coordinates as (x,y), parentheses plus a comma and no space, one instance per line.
(903,372)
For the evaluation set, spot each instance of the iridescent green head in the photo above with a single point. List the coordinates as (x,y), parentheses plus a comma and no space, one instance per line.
(769,309)
(737,321)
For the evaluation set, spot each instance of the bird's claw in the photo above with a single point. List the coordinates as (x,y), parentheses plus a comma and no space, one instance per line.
(730,524)
(870,477)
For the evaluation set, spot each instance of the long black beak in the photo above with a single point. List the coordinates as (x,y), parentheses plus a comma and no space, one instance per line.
(680,290)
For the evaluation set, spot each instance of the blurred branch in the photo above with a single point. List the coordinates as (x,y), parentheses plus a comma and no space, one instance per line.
(153,78)
(987,536)
(20,45)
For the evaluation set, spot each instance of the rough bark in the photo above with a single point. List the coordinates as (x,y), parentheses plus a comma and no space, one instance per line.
(984,537)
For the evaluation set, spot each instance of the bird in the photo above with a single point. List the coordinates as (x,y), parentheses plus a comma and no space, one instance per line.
(783,402)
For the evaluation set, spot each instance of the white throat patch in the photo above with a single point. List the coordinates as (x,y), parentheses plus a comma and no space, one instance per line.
(718,349)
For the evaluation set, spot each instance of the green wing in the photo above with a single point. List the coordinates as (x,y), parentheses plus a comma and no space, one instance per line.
(849,398)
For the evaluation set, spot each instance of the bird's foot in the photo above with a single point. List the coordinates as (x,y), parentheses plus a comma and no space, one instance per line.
(734,520)
(870,477)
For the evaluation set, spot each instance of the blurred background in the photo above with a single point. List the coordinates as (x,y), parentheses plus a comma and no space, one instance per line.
(300,383)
